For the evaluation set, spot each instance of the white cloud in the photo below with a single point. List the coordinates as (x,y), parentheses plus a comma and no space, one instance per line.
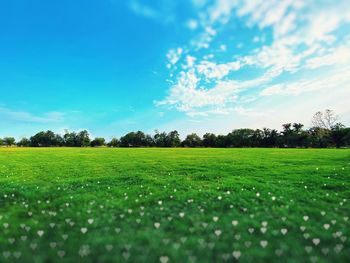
(250,112)
(328,81)
(203,40)
(339,55)
(278,14)
(221,11)
(279,56)
(161,11)
(211,70)
(321,26)
(190,61)
(223,47)
(174,55)
(273,90)
(304,36)
(192,24)
(143,10)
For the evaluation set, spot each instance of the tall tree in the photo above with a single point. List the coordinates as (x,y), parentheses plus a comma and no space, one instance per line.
(222,141)
(80,139)
(240,138)
(269,138)
(136,139)
(113,143)
(83,138)
(24,142)
(209,140)
(192,140)
(340,135)
(325,120)
(160,139)
(287,135)
(320,137)
(9,141)
(44,139)
(173,139)
(70,139)
(97,142)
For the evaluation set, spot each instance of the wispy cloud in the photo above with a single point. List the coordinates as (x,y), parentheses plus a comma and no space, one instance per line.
(334,56)
(143,10)
(333,80)
(24,116)
(163,12)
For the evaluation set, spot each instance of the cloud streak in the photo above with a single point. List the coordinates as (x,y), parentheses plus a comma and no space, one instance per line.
(27,117)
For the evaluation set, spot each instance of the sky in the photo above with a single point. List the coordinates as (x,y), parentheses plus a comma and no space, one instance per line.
(113,66)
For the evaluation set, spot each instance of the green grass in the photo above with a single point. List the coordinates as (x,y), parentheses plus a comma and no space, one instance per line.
(174,205)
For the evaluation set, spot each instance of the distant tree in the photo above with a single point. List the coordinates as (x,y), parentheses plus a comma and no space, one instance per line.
(303,139)
(209,140)
(59,141)
(326,132)
(80,139)
(319,137)
(192,140)
(287,135)
(287,129)
(173,139)
(293,135)
(257,137)
(83,139)
(299,136)
(97,142)
(44,139)
(269,138)
(222,141)
(136,139)
(24,142)
(148,141)
(161,139)
(113,143)
(325,120)
(37,139)
(240,138)
(340,135)
(9,141)
(70,139)
(298,127)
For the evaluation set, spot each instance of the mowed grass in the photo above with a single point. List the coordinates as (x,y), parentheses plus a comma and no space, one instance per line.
(174,205)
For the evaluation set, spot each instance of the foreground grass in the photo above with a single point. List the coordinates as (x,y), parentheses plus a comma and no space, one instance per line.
(174,205)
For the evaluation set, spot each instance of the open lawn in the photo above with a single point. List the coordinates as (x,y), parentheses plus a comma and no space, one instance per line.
(174,205)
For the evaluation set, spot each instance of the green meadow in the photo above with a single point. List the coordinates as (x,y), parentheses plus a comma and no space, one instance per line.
(174,205)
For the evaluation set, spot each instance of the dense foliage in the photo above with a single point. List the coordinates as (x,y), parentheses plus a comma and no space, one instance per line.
(291,136)
(326,132)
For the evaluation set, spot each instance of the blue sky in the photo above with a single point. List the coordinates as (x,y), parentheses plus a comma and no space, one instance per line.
(113,66)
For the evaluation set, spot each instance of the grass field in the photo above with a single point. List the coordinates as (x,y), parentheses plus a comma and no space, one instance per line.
(174,205)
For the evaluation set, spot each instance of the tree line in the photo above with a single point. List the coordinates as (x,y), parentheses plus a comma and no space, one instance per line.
(326,132)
